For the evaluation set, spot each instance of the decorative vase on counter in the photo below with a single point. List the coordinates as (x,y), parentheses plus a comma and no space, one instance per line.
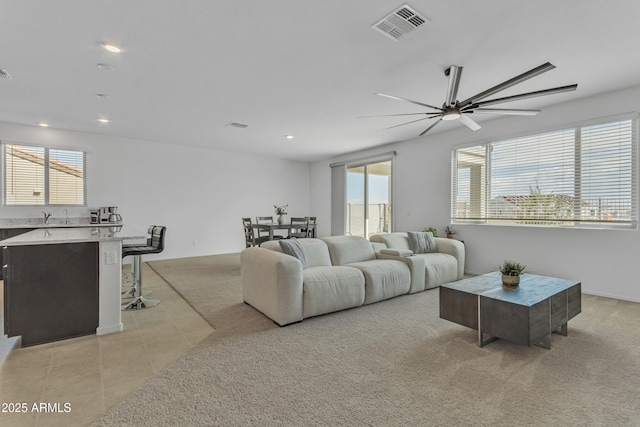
(281,219)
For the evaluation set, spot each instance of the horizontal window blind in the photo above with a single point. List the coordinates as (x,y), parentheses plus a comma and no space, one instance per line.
(571,177)
(43,176)
(66,177)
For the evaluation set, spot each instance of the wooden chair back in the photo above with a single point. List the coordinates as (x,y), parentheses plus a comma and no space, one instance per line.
(299,227)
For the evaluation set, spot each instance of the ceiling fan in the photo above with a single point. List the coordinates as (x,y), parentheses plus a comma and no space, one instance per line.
(452,109)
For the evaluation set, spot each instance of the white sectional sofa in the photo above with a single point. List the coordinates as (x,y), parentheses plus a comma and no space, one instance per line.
(444,265)
(342,272)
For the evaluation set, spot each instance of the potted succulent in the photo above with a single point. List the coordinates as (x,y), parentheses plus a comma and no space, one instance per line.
(449,231)
(511,272)
(432,230)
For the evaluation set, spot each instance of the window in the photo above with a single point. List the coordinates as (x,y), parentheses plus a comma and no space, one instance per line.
(41,176)
(362,195)
(572,177)
(369,198)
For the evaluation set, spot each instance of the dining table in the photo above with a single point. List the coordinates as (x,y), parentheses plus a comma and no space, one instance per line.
(272,226)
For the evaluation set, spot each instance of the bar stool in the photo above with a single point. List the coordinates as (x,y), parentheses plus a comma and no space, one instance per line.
(155,245)
(130,285)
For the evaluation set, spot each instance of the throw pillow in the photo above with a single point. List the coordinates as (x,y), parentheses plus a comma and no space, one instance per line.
(422,242)
(296,250)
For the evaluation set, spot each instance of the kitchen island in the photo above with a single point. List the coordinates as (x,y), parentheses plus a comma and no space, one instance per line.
(11,227)
(63,282)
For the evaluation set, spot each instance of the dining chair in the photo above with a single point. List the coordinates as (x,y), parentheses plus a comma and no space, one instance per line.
(298,227)
(266,220)
(250,238)
(312,226)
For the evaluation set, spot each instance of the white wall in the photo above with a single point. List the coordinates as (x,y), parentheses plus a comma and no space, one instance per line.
(199,194)
(603,260)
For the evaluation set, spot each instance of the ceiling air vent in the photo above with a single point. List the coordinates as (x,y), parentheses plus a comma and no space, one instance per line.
(399,22)
(237,125)
(4,74)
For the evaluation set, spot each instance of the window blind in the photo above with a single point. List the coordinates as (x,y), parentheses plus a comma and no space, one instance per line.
(43,176)
(66,177)
(570,177)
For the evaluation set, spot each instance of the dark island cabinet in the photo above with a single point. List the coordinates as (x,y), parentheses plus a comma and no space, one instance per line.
(6,233)
(51,291)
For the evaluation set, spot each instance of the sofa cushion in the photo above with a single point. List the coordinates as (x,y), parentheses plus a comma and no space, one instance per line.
(295,249)
(422,242)
(384,279)
(315,249)
(439,269)
(328,289)
(348,249)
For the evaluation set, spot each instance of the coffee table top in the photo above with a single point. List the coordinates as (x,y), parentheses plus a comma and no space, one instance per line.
(532,288)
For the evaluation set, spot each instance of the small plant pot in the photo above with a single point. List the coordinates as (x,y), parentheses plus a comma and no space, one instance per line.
(450,236)
(510,280)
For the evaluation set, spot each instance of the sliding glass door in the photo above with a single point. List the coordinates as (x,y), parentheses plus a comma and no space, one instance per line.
(369,198)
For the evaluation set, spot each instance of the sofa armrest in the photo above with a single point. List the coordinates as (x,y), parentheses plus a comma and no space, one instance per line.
(272,284)
(454,248)
(416,267)
(397,252)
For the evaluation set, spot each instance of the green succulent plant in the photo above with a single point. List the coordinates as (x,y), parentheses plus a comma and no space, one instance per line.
(511,268)
(449,229)
(432,230)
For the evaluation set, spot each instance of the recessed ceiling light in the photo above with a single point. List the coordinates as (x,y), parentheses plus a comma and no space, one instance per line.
(103,120)
(289,136)
(105,67)
(102,96)
(43,125)
(111,47)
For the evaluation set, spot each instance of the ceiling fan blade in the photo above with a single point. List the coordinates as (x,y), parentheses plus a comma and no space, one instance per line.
(409,100)
(413,121)
(468,122)
(507,111)
(507,84)
(527,95)
(393,115)
(430,127)
(454,72)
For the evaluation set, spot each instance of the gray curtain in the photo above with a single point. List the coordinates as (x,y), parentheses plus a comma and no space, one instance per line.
(338,199)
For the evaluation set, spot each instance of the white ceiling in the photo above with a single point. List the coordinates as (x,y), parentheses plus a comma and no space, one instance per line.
(300,67)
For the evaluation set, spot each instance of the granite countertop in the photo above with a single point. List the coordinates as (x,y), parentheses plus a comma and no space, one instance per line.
(51,223)
(59,235)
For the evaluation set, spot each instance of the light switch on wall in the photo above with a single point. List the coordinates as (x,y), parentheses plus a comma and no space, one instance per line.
(110,257)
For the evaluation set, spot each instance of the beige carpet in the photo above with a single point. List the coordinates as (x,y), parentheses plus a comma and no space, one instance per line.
(394,363)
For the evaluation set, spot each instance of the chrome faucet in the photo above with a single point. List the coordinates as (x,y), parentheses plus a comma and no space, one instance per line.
(46,216)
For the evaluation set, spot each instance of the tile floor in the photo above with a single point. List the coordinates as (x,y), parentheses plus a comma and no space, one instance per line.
(86,376)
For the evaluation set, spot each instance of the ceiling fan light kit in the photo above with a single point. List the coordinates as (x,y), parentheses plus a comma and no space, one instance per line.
(452,109)
(451,114)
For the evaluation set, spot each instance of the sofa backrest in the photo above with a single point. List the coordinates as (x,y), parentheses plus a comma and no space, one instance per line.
(397,240)
(347,249)
(316,251)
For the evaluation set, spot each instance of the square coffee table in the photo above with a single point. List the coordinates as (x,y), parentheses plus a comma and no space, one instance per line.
(525,314)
